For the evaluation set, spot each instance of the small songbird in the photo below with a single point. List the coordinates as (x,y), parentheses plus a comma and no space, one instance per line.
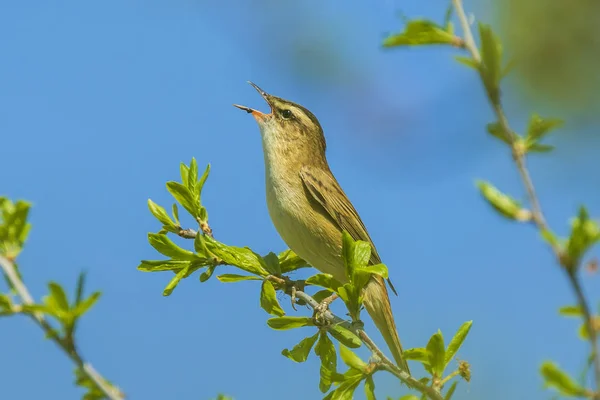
(309,208)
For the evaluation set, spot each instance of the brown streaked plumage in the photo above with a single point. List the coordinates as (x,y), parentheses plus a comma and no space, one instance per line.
(309,208)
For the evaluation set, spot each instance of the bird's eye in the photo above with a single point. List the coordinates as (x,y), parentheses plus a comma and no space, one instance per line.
(287,114)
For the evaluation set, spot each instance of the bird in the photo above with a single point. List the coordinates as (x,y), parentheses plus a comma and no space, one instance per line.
(308,207)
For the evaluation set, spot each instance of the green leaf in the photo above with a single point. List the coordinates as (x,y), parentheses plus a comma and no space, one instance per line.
(80,287)
(539,148)
(300,351)
(201,183)
(192,177)
(450,391)
(504,204)
(59,296)
(570,311)
(370,388)
(420,32)
(324,280)
(377,269)
(184,170)
(418,354)
(289,261)
(200,245)
(351,359)
(162,265)
(174,282)
(226,278)
(184,197)
(491,57)
(540,127)
(409,397)
(346,389)
(457,341)
(165,246)
(584,234)
(284,323)
(436,354)
(83,306)
(160,214)
(176,214)
(345,336)
(208,273)
(355,253)
(496,130)
(321,295)
(272,263)
(468,61)
(560,380)
(242,258)
(326,351)
(268,299)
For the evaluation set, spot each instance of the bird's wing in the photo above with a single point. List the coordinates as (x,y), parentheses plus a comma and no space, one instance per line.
(326,191)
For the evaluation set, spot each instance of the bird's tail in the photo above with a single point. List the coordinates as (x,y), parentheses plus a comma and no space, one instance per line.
(378,306)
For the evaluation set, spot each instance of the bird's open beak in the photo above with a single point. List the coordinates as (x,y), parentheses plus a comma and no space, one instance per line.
(255,113)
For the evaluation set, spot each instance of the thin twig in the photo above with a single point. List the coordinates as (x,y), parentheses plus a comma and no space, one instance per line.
(384,362)
(537,214)
(11,274)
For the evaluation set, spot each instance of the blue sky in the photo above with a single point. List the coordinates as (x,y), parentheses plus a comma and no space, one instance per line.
(100,103)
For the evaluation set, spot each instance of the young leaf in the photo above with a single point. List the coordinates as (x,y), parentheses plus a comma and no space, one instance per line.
(496,130)
(504,204)
(570,311)
(289,261)
(184,170)
(409,397)
(345,337)
(284,323)
(176,214)
(237,278)
(326,351)
(240,257)
(346,389)
(202,181)
(540,127)
(321,295)
(457,341)
(165,246)
(370,388)
(58,296)
(450,391)
(418,354)
(560,380)
(160,214)
(300,351)
(272,263)
(162,265)
(83,306)
(80,287)
(436,354)
(192,178)
(584,233)
(420,32)
(268,299)
(174,282)
(208,273)
(491,57)
(184,197)
(468,61)
(324,280)
(351,359)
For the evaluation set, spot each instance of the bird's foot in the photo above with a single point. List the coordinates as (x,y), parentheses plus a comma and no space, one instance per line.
(323,308)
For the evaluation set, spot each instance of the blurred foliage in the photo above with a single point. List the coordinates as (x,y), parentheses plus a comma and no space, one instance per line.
(557,52)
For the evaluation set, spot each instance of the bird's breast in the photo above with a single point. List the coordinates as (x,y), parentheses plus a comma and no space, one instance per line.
(301,226)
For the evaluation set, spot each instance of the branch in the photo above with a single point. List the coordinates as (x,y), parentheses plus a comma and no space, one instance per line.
(11,274)
(384,362)
(537,214)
